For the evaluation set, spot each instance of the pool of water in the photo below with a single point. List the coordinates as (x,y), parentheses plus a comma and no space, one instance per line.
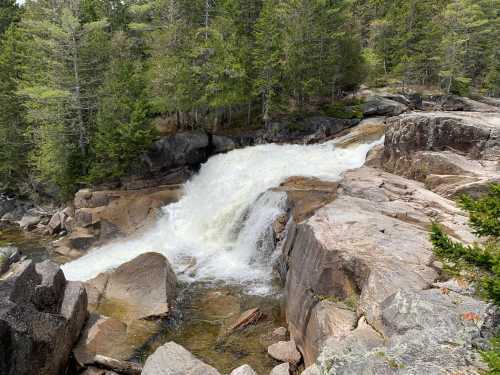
(32,245)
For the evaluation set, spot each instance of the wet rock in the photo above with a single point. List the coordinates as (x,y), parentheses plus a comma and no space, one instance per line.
(458,103)
(8,255)
(174,359)
(143,288)
(283,369)
(369,130)
(380,106)
(285,351)
(41,316)
(178,150)
(29,222)
(310,130)
(243,370)
(280,333)
(222,144)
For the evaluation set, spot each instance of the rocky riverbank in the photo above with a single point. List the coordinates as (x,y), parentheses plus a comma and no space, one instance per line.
(363,291)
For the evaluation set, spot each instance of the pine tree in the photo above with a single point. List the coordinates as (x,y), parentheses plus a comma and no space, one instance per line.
(9,13)
(123,125)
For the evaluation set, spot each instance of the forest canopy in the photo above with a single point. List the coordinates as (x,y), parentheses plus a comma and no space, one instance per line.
(82,80)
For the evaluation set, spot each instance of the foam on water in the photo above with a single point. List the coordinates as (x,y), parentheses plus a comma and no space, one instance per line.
(222,218)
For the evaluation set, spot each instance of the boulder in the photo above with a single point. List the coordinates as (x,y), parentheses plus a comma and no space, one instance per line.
(173,359)
(380,106)
(180,149)
(143,288)
(285,351)
(283,369)
(8,255)
(243,370)
(28,222)
(458,103)
(41,316)
(221,144)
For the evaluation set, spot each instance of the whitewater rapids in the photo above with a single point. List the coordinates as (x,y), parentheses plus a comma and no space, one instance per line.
(220,222)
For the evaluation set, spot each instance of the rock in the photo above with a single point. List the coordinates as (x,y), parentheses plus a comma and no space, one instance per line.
(358,254)
(285,351)
(249,317)
(311,370)
(310,130)
(56,223)
(457,103)
(8,255)
(283,369)
(243,370)
(280,333)
(172,359)
(28,222)
(454,153)
(369,130)
(379,106)
(181,149)
(221,144)
(41,316)
(102,335)
(143,288)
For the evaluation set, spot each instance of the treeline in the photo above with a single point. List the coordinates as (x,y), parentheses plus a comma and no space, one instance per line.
(81,80)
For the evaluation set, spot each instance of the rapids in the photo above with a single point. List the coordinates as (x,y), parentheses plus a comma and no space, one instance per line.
(220,223)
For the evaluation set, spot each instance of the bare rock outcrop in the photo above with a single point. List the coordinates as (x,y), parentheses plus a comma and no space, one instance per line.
(41,316)
(354,269)
(453,153)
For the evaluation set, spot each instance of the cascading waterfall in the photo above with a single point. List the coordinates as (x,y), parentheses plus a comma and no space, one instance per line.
(219,223)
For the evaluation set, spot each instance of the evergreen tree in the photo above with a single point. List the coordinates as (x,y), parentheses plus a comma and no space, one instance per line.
(123,126)
(9,13)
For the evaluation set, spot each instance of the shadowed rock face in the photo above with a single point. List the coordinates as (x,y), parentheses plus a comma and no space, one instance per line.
(359,275)
(454,153)
(41,316)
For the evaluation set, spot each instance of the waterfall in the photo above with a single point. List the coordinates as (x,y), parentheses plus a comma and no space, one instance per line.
(219,224)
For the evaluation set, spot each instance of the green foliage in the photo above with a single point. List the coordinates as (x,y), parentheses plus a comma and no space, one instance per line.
(484,212)
(343,110)
(124,129)
(492,357)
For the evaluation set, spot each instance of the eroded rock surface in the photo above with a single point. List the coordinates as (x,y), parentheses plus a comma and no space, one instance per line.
(359,282)
(453,153)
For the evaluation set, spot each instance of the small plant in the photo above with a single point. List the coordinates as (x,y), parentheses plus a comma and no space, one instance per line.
(492,356)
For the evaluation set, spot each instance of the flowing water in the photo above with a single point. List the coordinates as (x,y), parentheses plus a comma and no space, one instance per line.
(216,238)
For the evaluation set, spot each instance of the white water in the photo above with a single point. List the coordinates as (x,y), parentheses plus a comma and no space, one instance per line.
(223,215)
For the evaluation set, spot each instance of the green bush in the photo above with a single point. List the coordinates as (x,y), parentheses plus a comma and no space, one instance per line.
(344,110)
(484,216)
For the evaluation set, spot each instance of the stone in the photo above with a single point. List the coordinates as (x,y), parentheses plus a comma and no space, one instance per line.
(243,370)
(28,222)
(367,131)
(143,288)
(279,333)
(457,103)
(101,335)
(309,130)
(285,351)
(8,255)
(380,106)
(173,359)
(221,144)
(56,223)
(41,317)
(283,369)
(180,149)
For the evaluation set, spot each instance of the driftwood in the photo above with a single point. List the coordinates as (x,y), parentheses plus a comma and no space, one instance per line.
(121,367)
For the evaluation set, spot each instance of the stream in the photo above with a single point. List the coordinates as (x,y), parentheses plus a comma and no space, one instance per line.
(217,240)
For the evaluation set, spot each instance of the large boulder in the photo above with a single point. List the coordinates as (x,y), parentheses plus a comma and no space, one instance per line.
(459,103)
(380,106)
(356,254)
(143,288)
(243,370)
(41,316)
(454,153)
(181,149)
(173,359)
